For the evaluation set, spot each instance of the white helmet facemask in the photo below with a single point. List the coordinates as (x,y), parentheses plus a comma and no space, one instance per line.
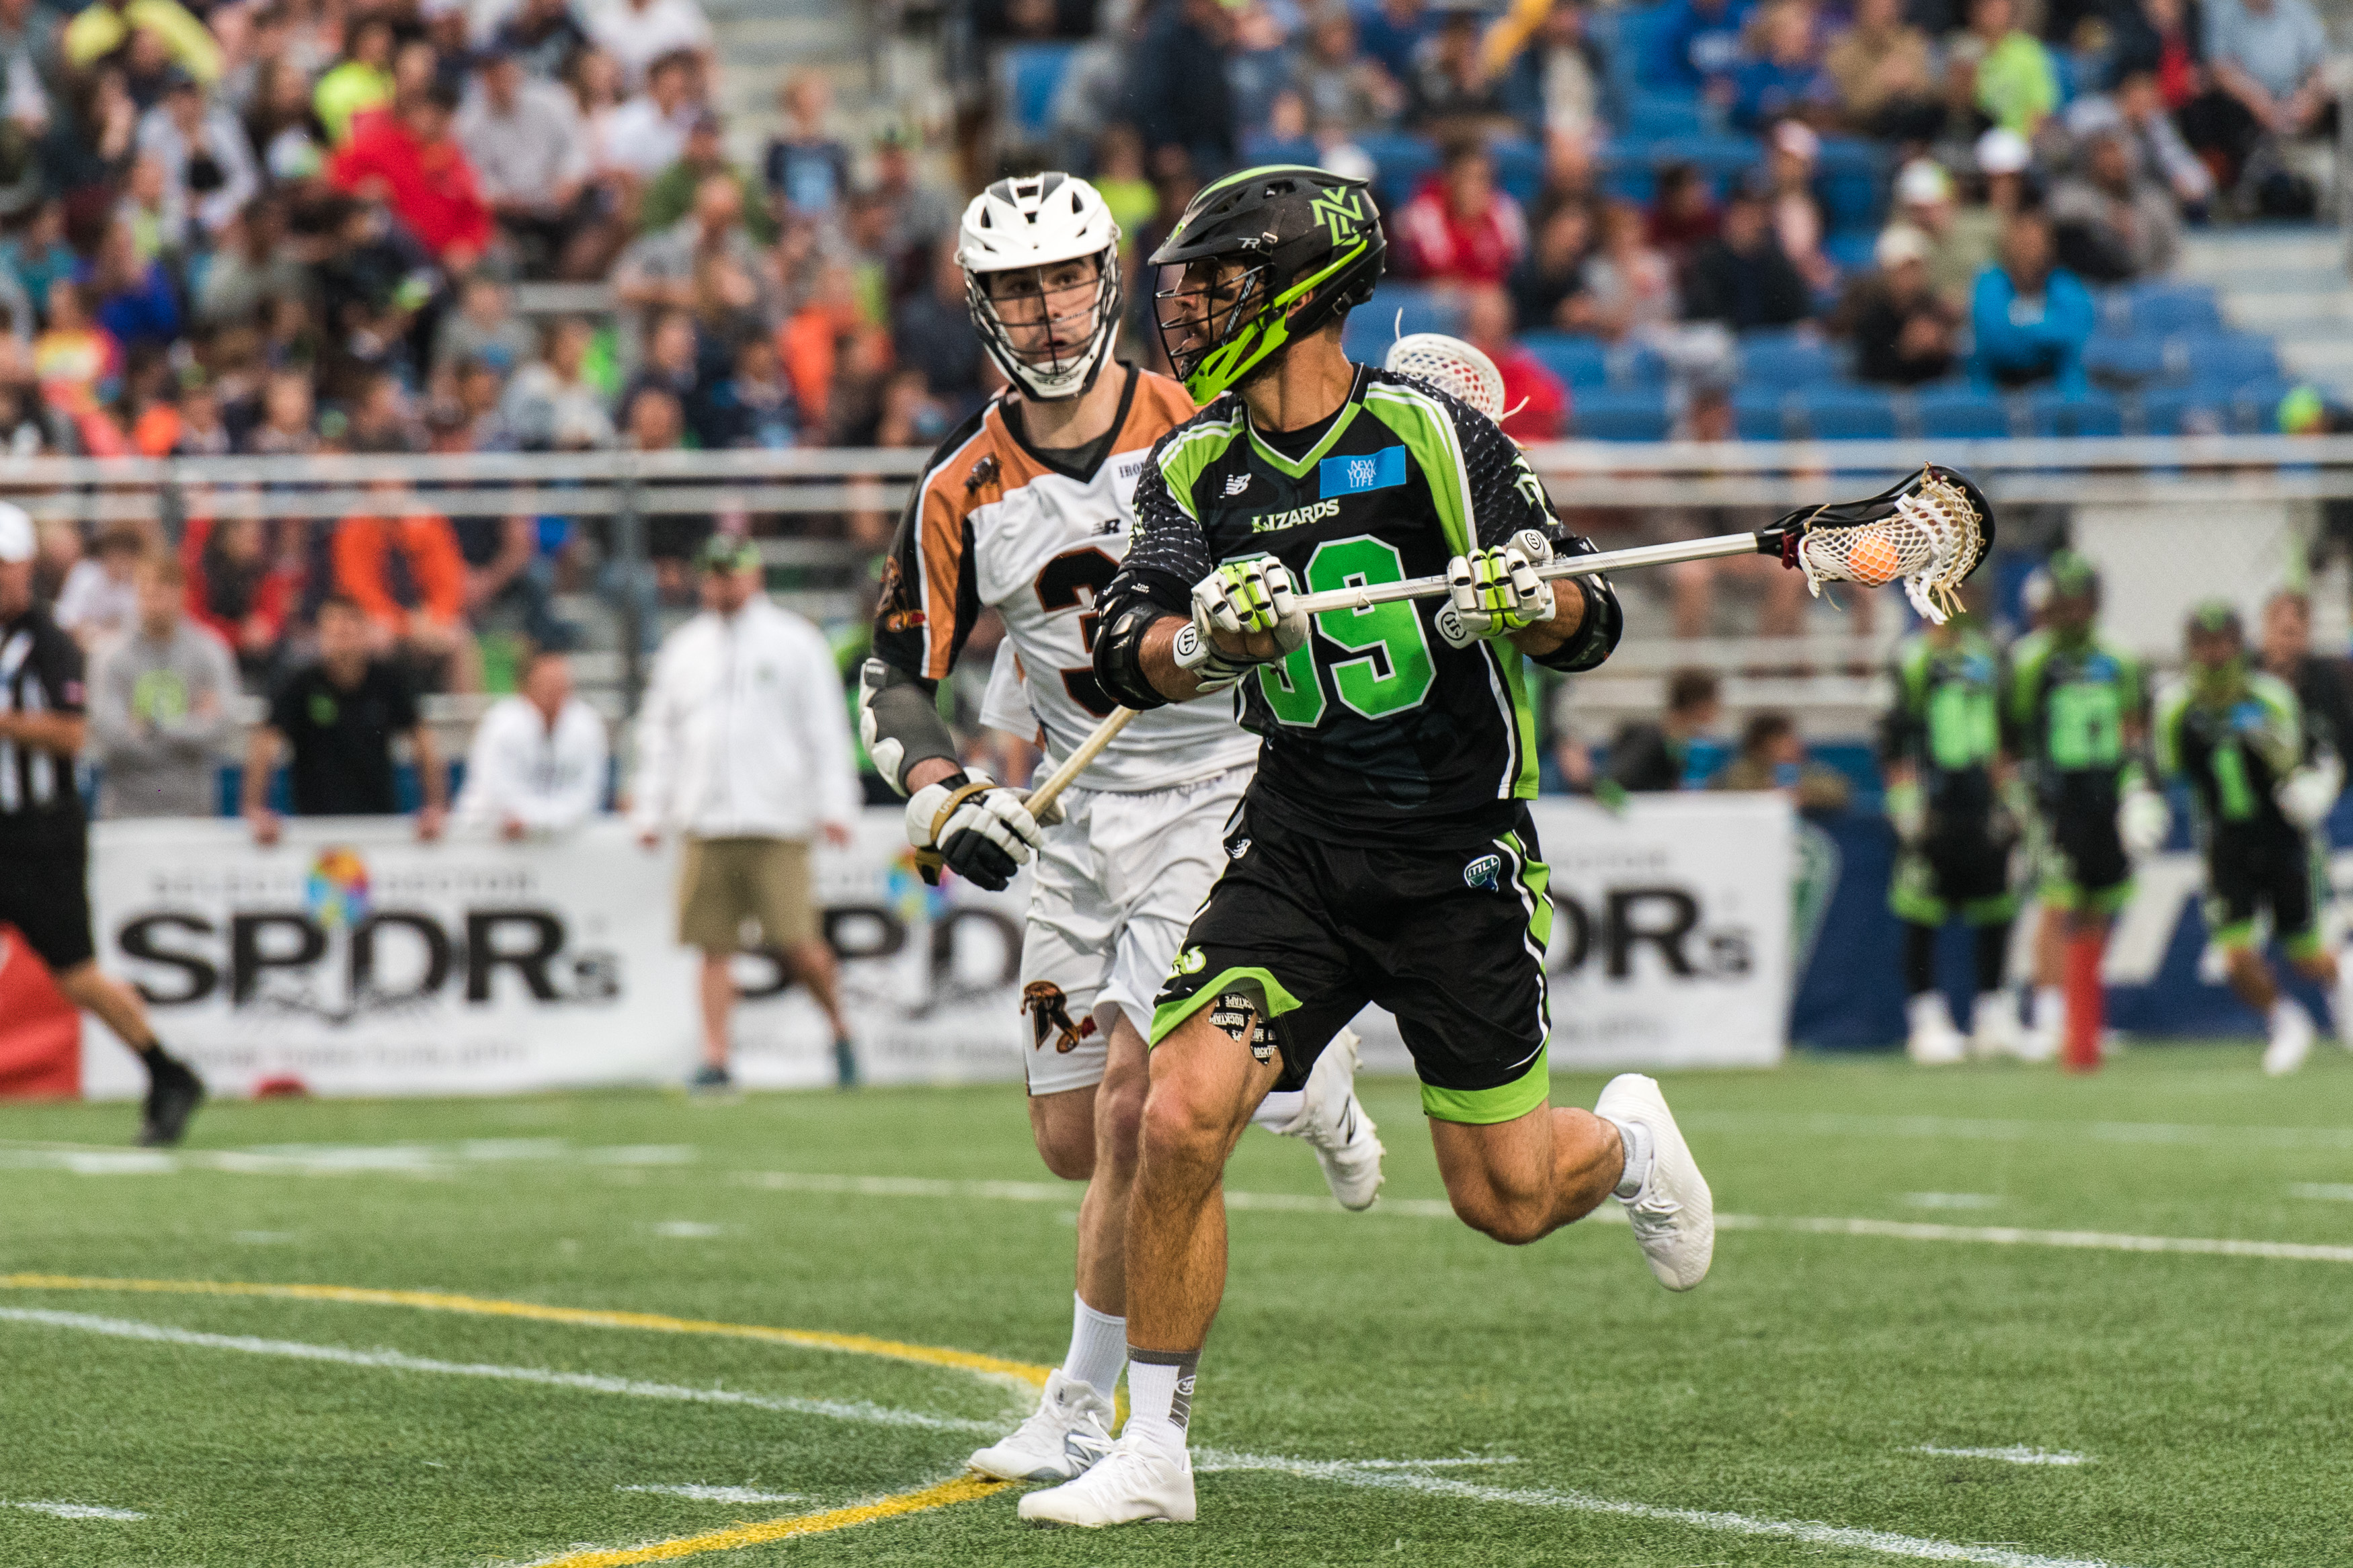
(1027,226)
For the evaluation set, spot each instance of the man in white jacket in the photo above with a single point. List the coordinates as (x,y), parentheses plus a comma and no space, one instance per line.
(536,764)
(744,748)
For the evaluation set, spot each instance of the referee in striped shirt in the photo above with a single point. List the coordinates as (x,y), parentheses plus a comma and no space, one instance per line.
(43,841)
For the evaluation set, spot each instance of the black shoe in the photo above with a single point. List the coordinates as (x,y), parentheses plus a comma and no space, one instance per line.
(710,1078)
(845,1062)
(174,1092)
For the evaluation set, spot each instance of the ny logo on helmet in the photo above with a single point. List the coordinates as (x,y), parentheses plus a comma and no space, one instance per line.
(1340,211)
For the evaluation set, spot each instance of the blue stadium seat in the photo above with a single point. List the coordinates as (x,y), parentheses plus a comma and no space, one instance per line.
(2252,408)
(2051,412)
(1653,115)
(1578,360)
(1785,361)
(1401,161)
(1956,412)
(1847,412)
(1372,327)
(1637,365)
(2229,359)
(2168,308)
(1851,249)
(1030,74)
(1761,413)
(2177,411)
(1608,414)
(1847,182)
(1519,169)
(2125,360)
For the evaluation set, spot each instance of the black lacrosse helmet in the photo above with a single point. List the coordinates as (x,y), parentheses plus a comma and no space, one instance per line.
(1293,230)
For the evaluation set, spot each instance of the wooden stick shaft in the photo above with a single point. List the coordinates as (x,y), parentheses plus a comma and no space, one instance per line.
(1044,794)
(1364,598)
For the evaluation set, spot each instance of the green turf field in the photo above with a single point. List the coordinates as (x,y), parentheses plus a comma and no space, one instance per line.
(1563,1408)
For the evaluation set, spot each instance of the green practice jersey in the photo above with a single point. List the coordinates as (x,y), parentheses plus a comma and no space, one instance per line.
(1376,729)
(2232,753)
(2068,706)
(1947,721)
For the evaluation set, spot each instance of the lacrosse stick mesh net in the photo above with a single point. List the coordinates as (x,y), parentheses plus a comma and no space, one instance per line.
(1931,536)
(1452,366)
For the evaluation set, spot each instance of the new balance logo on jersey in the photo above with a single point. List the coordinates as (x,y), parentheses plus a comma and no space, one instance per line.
(1237,484)
(1353,476)
(1298,517)
(1484,872)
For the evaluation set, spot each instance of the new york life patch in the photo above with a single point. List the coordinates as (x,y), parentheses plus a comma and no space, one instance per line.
(1353,476)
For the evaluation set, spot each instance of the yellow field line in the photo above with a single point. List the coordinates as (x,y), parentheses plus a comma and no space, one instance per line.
(585,1317)
(964,1488)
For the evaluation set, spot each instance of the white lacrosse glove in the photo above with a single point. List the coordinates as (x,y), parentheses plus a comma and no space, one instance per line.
(1495,592)
(976,827)
(1240,598)
(2308,794)
(1907,812)
(2143,820)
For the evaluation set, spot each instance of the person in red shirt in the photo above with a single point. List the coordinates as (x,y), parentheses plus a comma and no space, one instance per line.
(1535,403)
(1460,227)
(408,161)
(408,575)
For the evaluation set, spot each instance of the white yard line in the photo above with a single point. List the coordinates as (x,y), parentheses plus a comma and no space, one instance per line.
(1607,1213)
(2328,1192)
(2012,1455)
(336,1159)
(718,1494)
(74,1510)
(1805,1531)
(397,1360)
(1996,1129)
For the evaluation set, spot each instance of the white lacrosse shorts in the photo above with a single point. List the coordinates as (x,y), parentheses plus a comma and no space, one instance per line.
(1111,897)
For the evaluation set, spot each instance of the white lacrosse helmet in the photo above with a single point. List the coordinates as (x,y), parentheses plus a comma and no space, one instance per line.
(1032,222)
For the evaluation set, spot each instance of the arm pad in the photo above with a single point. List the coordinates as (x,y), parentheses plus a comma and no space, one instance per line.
(899,721)
(1119,655)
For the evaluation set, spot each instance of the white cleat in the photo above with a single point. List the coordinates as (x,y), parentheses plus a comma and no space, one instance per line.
(1138,1481)
(2291,1039)
(1068,1431)
(1994,1030)
(1334,1124)
(1934,1042)
(1674,1214)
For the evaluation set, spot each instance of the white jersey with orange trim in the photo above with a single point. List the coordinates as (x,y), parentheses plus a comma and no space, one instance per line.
(995,523)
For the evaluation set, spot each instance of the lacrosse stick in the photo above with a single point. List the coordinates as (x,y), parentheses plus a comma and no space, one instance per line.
(1929,532)
(1448,363)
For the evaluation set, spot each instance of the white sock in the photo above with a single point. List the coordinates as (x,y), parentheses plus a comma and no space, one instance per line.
(1636,1140)
(2050,1007)
(2286,1013)
(1277,1110)
(1160,1395)
(1098,1347)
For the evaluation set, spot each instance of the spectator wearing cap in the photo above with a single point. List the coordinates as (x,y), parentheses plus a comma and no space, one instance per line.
(1780,76)
(1960,241)
(1903,333)
(743,751)
(806,168)
(2001,71)
(1461,227)
(1743,278)
(2031,318)
(408,160)
(637,33)
(1884,70)
(2113,222)
(523,135)
(645,135)
(671,196)
(205,159)
(1536,402)
(361,80)
(2265,59)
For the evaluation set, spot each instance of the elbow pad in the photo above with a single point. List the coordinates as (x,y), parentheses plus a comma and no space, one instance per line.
(899,721)
(1119,656)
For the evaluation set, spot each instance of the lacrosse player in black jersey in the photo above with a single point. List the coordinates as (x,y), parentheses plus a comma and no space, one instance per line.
(1384,852)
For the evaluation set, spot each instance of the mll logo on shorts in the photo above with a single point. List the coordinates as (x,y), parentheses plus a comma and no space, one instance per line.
(1484,872)
(1353,476)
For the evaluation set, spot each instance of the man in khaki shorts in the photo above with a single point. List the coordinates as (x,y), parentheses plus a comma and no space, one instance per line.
(744,750)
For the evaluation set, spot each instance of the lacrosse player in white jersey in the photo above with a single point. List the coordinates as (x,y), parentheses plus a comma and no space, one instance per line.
(1026,507)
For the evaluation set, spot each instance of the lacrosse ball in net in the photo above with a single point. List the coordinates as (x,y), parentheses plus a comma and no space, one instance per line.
(1874,561)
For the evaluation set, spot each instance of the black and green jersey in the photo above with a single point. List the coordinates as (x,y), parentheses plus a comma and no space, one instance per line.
(1946,719)
(2232,753)
(2070,701)
(1376,729)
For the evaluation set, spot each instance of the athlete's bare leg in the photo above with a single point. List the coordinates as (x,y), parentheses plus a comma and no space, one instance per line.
(716,990)
(118,1006)
(1090,1135)
(1520,1180)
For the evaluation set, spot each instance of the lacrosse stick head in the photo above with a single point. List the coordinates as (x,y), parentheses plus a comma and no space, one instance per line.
(1930,533)
(1452,366)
